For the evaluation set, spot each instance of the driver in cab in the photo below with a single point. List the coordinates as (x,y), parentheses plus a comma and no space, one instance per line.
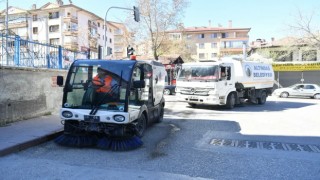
(103,81)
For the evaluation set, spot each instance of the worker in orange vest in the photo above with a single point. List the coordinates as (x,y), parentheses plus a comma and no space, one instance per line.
(103,81)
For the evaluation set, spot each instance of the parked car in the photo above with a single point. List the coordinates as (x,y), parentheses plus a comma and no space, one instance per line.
(299,90)
(169,89)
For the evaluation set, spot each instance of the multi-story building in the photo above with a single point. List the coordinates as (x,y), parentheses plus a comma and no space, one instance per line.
(213,42)
(67,25)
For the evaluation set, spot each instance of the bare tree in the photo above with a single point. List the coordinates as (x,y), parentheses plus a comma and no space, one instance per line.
(157,17)
(306,30)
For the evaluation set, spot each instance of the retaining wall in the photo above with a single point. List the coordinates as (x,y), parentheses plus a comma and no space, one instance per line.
(28,92)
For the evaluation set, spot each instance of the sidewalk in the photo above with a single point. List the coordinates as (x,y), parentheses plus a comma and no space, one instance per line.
(27,133)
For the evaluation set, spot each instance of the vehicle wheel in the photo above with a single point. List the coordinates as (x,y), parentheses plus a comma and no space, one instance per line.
(231,101)
(141,125)
(316,96)
(192,105)
(284,95)
(160,118)
(263,98)
(166,91)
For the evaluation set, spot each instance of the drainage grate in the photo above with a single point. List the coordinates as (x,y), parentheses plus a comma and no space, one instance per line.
(266,145)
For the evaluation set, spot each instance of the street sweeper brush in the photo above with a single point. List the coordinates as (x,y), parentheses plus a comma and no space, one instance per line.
(71,140)
(119,143)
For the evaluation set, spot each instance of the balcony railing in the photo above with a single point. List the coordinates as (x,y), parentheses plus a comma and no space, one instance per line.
(70,18)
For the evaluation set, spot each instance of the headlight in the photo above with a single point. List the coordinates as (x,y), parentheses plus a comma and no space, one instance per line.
(119,118)
(67,114)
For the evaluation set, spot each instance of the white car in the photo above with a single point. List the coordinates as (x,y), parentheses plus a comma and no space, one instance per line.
(299,90)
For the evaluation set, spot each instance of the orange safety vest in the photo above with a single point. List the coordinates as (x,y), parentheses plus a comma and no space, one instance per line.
(104,84)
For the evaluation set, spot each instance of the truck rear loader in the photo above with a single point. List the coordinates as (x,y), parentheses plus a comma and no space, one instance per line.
(228,82)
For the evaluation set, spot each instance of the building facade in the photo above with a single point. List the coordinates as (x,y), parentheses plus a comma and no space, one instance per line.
(213,42)
(69,26)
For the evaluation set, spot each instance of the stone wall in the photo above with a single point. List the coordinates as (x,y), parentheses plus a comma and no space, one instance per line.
(28,92)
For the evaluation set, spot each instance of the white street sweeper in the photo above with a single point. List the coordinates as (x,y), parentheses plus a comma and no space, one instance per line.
(110,103)
(227,82)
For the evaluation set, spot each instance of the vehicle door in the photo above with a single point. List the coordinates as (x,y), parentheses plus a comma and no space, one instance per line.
(309,90)
(297,90)
(225,82)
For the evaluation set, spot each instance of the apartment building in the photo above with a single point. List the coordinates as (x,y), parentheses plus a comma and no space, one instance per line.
(213,42)
(67,25)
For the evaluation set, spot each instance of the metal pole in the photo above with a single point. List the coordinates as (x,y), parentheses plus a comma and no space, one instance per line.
(105,28)
(7,31)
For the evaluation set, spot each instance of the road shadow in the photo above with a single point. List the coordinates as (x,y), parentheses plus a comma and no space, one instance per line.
(269,106)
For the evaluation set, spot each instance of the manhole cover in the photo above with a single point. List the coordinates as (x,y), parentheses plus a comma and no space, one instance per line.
(265,145)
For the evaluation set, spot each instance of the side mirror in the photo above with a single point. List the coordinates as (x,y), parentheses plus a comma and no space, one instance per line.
(139,84)
(60,80)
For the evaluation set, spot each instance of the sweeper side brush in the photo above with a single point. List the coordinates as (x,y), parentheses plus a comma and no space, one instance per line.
(106,143)
(119,144)
(76,140)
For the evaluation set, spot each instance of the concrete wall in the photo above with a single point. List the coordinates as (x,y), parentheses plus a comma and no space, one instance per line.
(27,92)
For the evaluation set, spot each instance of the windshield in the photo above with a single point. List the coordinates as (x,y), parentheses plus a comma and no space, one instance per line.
(197,73)
(96,86)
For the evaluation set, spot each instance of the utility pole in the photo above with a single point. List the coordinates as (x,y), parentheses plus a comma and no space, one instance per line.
(7,31)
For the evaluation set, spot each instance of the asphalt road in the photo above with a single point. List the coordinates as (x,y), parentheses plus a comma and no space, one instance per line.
(278,140)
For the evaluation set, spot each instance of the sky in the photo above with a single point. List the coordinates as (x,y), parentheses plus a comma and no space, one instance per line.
(266,18)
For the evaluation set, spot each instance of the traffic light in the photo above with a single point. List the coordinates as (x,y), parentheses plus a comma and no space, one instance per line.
(136,14)
(130,51)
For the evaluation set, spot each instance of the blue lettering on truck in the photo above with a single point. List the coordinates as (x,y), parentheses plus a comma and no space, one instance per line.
(262,74)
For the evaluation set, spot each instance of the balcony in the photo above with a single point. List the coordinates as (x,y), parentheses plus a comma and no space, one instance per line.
(70,32)
(71,45)
(21,24)
(70,18)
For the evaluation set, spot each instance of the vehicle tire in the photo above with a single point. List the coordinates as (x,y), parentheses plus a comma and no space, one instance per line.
(141,125)
(166,92)
(316,96)
(284,95)
(263,98)
(231,100)
(160,118)
(192,105)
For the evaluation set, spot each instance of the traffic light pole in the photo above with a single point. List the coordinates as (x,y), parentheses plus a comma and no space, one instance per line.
(136,10)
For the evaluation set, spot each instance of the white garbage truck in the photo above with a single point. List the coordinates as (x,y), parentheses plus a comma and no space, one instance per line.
(228,82)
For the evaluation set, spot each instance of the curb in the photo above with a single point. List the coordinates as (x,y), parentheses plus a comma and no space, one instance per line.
(31,143)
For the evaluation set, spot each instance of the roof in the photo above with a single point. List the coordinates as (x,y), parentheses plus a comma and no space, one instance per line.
(206,29)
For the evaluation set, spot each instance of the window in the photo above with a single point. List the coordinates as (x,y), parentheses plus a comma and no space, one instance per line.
(53,15)
(201,46)
(201,36)
(201,55)
(224,35)
(214,35)
(213,45)
(213,55)
(98,24)
(309,55)
(110,40)
(35,17)
(189,36)
(35,30)
(54,28)
(54,41)
(309,87)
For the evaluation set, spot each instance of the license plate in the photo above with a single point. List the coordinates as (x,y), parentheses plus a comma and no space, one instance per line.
(92,118)
(193,97)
